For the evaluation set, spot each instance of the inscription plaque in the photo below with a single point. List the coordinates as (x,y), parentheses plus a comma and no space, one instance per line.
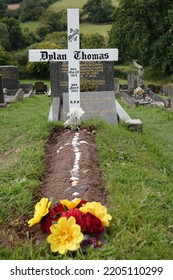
(101,73)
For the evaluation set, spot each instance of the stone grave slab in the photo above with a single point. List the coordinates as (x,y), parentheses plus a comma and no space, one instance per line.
(98,104)
(10,77)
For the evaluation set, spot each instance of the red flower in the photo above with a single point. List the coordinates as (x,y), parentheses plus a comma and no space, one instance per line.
(93,224)
(56,211)
(82,202)
(77,215)
(53,215)
(45,224)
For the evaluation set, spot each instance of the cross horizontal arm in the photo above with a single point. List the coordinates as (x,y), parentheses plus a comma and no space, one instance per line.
(39,55)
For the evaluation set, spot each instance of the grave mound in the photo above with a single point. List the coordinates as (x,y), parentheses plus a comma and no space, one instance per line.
(57,184)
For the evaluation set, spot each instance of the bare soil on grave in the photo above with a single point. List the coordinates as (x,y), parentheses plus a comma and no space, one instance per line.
(56,184)
(60,158)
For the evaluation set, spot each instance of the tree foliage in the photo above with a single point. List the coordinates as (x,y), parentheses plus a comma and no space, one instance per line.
(15,33)
(92,41)
(99,10)
(32,10)
(3,8)
(143,30)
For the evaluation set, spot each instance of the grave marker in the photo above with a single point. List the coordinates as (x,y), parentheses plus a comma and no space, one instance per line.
(73,55)
(10,76)
(1,91)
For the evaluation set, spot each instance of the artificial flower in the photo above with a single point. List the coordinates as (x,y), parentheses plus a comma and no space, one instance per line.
(65,235)
(70,204)
(75,112)
(78,215)
(46,223)
(41,210)
(98,210)
(93,225)
(53,215)
(56,211)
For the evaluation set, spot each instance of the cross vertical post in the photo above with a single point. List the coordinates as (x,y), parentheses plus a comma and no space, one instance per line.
(73,64)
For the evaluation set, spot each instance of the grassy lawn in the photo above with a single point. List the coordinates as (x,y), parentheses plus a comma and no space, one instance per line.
(89,28)
(137,170)
(30,25)
(63,5)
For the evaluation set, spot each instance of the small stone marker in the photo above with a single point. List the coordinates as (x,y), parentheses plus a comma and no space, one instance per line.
(40,88)
(73,55)
(2,101)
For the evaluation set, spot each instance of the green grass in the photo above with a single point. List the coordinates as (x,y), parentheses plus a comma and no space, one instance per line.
(137,169)
(30,25)
(63,5)
(89,28)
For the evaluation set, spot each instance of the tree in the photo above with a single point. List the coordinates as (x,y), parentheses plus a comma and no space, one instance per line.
(92,41)
(3,8)
(32,10)
(15,33)
(99,10)
(4,38)
(55,21)
(5,58)
(143,30)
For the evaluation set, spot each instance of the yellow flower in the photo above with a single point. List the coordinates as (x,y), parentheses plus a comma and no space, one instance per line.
(70,204)
(98,210)
(41,209)
(65,235)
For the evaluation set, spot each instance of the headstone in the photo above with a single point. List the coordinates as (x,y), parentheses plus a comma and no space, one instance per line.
(10,77)
(132,81)
(96,104)
(101,74)
(40,88)
(1,90)
(168,90)
(74,56)
(116,86)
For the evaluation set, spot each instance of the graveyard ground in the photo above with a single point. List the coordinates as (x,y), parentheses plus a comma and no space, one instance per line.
(136,171)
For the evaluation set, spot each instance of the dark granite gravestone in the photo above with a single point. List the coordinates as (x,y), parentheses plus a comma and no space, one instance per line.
(1,90)
(100,74)
(98,104)
(40,88)
(10,77)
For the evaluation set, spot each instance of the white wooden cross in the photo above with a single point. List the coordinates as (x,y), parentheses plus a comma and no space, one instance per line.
(73,55)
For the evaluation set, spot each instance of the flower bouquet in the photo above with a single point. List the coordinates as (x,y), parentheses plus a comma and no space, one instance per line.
(71,224)
(138,91)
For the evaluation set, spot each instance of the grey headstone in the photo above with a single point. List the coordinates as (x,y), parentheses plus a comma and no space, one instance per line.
(54,114)
(1,90)
(96,104)
(10,76)
(101,74)
(168,90)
